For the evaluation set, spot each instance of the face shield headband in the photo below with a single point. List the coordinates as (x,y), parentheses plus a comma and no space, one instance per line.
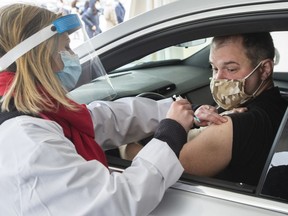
(68,23)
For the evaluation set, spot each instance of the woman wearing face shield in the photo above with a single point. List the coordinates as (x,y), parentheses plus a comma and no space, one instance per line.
(51,159)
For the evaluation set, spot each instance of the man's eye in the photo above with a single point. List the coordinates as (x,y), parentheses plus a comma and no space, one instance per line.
(214,70)
(231,70)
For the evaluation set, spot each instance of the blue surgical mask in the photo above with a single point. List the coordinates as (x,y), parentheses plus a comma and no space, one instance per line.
(71,72)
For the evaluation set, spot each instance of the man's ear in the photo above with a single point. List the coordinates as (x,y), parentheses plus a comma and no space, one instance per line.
(267,69)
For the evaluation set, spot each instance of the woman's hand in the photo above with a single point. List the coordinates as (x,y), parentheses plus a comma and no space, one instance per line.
(181,111)
(206,115)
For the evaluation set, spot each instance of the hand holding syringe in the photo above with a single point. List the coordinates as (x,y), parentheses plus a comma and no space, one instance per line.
(176,98)
(205,115)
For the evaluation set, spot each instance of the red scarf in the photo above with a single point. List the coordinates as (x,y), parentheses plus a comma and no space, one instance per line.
(77,125)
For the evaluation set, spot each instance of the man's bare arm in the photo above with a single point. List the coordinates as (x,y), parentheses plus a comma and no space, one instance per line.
(209,152)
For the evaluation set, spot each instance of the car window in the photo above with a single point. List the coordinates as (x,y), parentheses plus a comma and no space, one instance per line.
(185,50)
(277,162)
(281,43)
(179,52)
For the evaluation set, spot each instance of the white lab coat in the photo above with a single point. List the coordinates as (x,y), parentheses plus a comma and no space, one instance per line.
(42,174)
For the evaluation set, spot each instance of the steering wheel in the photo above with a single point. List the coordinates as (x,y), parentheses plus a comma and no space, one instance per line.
(151,95)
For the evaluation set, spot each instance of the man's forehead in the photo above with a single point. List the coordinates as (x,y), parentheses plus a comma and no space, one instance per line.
(227,41)
(228,54)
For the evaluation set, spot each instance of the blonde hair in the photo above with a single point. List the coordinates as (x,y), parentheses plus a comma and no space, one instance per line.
(35,88)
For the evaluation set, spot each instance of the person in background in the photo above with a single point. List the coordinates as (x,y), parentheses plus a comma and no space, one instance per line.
(110,14)
(85,7)
(120,11)
(74,7)
(237,149)
(52,158)
(75,10)
(64,7)
(91,19)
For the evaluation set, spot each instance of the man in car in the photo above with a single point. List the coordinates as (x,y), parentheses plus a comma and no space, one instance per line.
(242,77)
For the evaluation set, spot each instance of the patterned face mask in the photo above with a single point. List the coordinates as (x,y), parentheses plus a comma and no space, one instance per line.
(230,94)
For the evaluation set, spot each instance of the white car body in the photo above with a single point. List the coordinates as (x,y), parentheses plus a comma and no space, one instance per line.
(209,18)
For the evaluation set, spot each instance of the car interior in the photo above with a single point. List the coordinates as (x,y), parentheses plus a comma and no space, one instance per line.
(183,69)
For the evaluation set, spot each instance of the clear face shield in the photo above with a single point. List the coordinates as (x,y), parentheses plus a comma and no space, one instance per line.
(71,71)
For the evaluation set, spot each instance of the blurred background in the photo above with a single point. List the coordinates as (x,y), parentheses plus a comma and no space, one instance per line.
(109,12)
(131,7)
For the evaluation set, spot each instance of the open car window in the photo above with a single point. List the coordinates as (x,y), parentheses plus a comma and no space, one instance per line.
(189,48)
(278,158)
(175,52)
